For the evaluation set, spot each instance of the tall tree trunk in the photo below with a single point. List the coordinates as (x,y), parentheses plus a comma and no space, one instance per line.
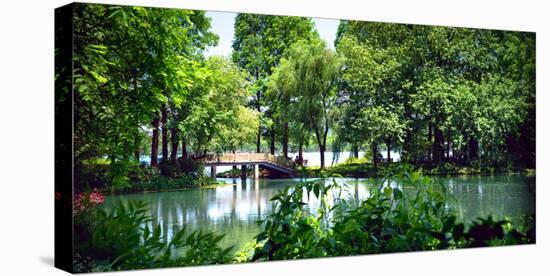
(355,150)
(430,153)
(322,152)
(301,152)
(137,140)
(259,109)
(388,145)
(449,145)
(272,141)
(155,141)
(437,145)
(183,148)
(472,149)
(285,140)
(406,153)
(375,156)
(174,139)
(137,145)
(164,118)
(258,142)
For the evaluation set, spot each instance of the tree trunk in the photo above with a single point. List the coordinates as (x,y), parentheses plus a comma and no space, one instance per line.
(301,152)
(285,140)
(272,142)
(258,140)
(388,145)
(137,145)
(164,118)
(183,148)
(322,152)
(406,153)
(137,140)
(355,151)
(155,141)
(430,153)
(437,145)
(375,156)
(472,149)
(258,108)
(449,145)
(174,139)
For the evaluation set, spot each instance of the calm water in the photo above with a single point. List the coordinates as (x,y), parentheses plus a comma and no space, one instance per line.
(234,209)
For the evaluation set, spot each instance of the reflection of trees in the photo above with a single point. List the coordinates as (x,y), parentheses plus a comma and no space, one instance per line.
(498,196)
(234,210)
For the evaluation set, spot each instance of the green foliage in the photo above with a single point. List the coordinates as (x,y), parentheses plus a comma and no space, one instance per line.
(444,85)
(261,41)
(309,76)
(183,167)
(131,62)
(132,177)
(241,131)
(403,212)
(126,238)
(415,88)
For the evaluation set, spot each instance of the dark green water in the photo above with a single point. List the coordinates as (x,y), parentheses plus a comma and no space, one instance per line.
(234,210)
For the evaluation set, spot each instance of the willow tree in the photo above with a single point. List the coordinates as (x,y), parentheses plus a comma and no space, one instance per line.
(312,72)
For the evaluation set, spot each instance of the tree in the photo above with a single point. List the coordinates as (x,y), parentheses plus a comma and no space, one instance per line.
(129,63)
(238,133)
(313,70)
(260,42)
(370,95)
(435,78)
(216,104)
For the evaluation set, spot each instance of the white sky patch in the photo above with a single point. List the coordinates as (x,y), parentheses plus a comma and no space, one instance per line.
(327,30)
(223,25)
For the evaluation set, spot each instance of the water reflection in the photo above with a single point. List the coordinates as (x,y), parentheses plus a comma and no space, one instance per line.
(235,209)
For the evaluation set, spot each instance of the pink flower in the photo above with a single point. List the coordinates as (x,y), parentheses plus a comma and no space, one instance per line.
(83,201)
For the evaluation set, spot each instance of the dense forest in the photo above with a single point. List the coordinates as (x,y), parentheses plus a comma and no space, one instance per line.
(149,104)
(144,88)
(436,93)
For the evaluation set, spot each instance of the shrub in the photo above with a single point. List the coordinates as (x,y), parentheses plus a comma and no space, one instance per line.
(417,214)
(122,239)
(90,175)
(191,167)
(84,201)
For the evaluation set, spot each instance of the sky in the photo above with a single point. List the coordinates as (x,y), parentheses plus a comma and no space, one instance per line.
(223,23)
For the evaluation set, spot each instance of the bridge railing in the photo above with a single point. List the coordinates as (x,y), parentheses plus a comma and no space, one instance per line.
(246,157)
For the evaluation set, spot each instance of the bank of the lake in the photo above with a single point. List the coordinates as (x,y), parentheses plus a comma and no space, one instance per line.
(359,168)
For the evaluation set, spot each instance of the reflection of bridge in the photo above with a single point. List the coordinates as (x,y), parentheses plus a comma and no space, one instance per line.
(245,159)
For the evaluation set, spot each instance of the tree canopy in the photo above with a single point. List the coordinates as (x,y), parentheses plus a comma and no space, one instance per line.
(144,89)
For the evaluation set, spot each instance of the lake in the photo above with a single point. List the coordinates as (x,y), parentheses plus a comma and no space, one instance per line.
(234,209)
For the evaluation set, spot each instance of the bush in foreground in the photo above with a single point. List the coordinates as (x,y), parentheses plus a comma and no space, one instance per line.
(414,213)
